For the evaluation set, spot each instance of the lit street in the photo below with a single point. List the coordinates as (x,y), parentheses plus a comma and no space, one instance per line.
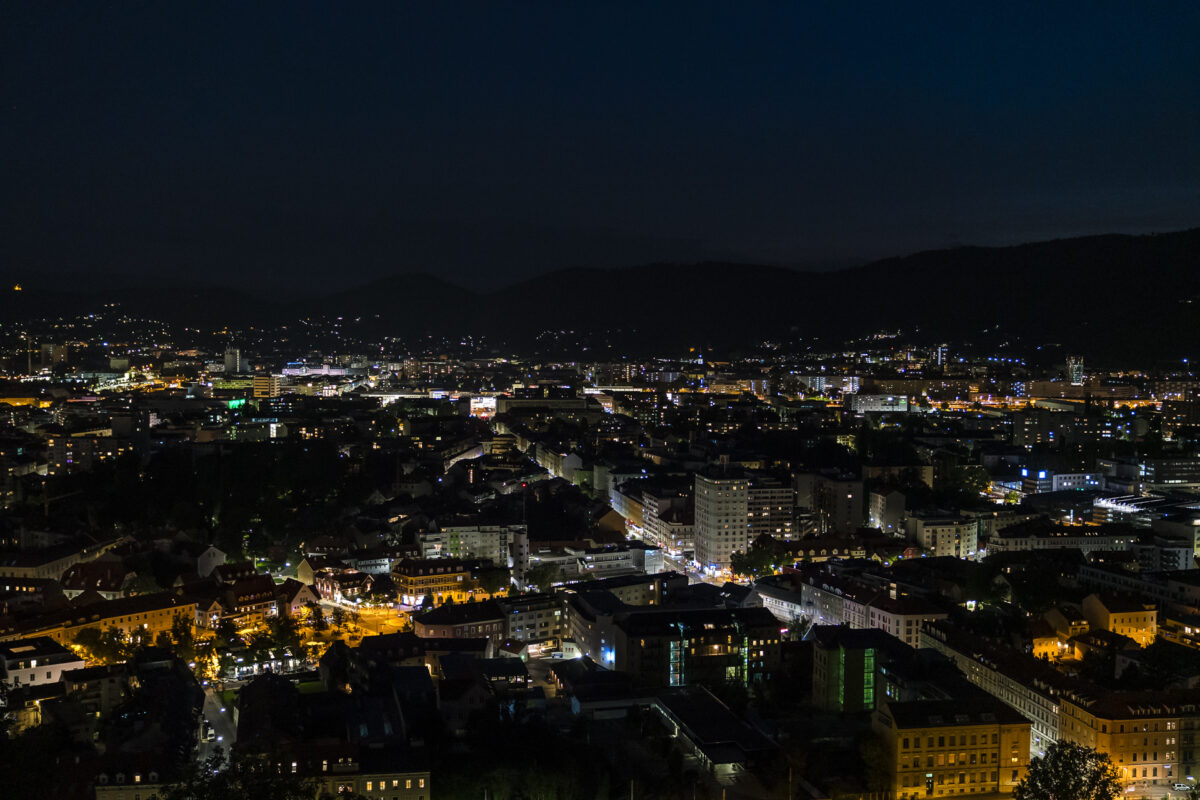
(694,575)
(371,620)
(224,730)
(1149,790)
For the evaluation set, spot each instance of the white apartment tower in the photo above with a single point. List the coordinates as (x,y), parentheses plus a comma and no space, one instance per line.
(721,527)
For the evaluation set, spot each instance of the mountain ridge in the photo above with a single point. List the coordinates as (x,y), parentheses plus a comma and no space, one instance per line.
(1113,292)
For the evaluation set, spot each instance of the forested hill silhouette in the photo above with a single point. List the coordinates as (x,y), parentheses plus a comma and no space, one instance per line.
(1115,295)
(1120,296)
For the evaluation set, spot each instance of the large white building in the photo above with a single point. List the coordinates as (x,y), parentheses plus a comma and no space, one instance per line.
(36,661)
(721,527)
(734,508)
(668,520)
(876,403)
(946,536)
(1088,539)
(829,600)
(630,558)
(470,541)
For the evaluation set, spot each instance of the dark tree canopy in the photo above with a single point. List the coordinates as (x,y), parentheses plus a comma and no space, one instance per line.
(1070,771)
(493,580)
(763,557)
(243,776)
(543,576)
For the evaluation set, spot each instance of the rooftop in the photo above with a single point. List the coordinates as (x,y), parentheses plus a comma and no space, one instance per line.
(717,731)
(461,613)
(938,713)
(669,621)
(36,647)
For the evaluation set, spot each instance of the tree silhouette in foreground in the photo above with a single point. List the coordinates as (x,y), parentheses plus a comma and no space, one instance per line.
(1070,771)
(243,776)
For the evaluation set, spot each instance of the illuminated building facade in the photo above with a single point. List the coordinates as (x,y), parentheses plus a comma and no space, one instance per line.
(721,527)
(441,579)
(938,748)
(267,386)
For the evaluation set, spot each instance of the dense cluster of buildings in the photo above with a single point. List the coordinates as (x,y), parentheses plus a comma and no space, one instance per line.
(957,559)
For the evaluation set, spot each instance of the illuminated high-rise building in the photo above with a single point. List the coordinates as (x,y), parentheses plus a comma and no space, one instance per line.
(1075,370)
(721,518)
(733,508)
(233,360)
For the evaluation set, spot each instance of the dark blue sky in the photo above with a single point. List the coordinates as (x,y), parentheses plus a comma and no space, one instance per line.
(304,143)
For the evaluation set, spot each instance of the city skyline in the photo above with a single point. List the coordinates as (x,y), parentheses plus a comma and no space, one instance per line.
(439,401)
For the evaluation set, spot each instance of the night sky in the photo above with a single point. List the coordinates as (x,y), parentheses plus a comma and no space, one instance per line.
(296,145)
